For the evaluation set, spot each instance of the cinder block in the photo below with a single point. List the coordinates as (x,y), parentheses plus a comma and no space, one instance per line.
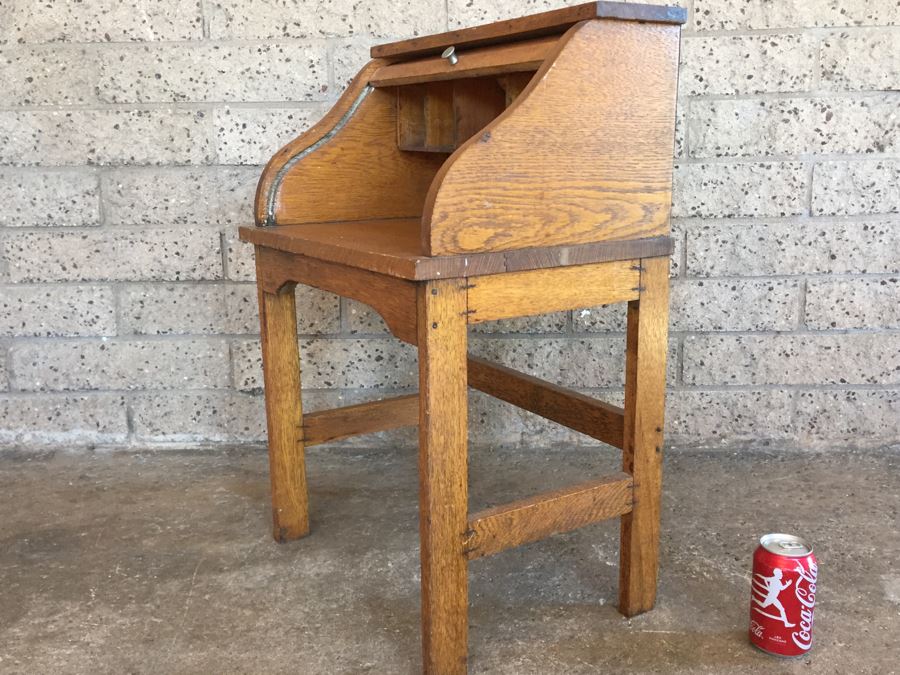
(180,196)
(751,127)
(213,72)
(846,359)
(752,189)
(156,309)
(573,362)
(253,135)
(680,127)
(78,137)
(189,416)
(59,419)
(4,375)
(48,199)
(239,258)
(741,14)
(348,57)
(747,64)
(372,363)
(364,319)
(853,303)
(712,305)
(160,309)
(579,362)
(137,20)
(715,305)
(600,319)
(465,13)
(113,255)
(761,248)
(861,60)
(47,75)
(852,188)
(493,424)
(265,20)
(710,419)
(67,365)
(57,311)
(555,322)
(850,417)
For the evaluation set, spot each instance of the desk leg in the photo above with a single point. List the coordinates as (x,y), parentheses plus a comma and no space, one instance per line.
(284,414)
(443,474)
(645,390)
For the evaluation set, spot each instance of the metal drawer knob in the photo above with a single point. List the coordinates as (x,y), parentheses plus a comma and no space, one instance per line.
(450,55)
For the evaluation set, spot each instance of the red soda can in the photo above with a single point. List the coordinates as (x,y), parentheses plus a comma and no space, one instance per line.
(783,595)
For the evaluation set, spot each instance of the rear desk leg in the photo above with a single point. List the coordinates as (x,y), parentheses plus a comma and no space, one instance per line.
(443,470)
(284,414)
(645,389)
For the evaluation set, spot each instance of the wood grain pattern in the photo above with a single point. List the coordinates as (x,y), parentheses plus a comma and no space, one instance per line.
(583,154)
(502,296)
(511,58)
(597,419)
(555,21)
(475,103)
(393,248)
(514,84)
(394,299)
(645,391)
(364,418)
(284,413)
(443,474)
(527,520)
(357,172)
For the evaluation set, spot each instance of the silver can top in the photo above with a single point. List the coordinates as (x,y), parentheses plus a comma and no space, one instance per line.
(785,544)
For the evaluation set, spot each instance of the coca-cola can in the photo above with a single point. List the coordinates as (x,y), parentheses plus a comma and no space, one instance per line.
(783,595)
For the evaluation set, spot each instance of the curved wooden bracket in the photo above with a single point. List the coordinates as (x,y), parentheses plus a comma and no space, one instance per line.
(347,166)
(394,299)
(584,154)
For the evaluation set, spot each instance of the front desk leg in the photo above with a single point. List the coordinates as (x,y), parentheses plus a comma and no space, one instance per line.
(443,474)
(284,414)
(645,390)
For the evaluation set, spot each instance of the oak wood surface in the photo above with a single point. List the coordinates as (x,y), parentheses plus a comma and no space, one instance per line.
(502,527)
(597,419)
(364,418)
(394,248)
(440,116)
(353,169)
(513,84)
(393,298)
(497,60)
(583,154)
(502,296)
(645,390)
(443,474)
(284,413)
(555,21)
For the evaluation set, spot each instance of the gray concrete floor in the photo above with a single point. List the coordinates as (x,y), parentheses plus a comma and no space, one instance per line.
(162,563)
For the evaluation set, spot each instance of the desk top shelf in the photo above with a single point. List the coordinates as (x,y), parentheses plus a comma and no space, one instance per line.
(553,131)
(524,27)
(393,247)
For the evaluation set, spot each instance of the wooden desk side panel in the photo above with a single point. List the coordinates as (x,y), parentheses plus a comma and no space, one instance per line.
(348,166)
(583,155)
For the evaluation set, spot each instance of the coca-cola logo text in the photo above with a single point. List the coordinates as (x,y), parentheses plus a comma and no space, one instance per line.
(805,590)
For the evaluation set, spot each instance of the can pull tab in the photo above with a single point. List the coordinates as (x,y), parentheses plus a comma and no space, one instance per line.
(791,545)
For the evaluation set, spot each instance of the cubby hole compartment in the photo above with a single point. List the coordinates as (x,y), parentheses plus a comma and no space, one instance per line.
(441,116)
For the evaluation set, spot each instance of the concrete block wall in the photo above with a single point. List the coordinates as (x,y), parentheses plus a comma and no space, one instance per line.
(132,133)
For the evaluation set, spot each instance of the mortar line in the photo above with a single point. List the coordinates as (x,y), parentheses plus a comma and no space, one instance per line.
(801,309)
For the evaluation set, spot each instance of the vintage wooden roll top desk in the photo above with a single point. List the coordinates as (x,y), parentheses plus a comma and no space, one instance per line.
(512,169)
